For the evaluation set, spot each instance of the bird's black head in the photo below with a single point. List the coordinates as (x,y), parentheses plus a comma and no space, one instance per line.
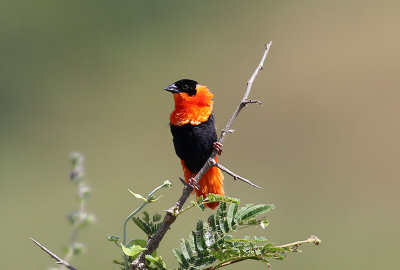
(183,86)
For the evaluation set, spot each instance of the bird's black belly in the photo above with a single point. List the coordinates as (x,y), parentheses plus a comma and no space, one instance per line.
(194,144)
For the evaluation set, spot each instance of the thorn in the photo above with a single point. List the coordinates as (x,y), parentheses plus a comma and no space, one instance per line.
(183,181)
(228,130)
(251,101)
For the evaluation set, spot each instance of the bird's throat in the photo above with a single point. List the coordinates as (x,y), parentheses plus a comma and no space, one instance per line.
(192,109)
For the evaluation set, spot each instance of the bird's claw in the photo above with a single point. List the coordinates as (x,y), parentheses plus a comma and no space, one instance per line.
(193,183)
(218,147)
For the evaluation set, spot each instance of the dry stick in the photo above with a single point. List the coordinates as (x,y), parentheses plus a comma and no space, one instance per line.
(54,256)
(171,214)
(234,175)
(312,239)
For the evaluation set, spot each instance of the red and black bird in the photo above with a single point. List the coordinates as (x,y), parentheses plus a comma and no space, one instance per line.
(194,136)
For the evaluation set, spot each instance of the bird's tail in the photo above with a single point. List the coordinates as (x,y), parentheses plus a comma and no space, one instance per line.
(211,182)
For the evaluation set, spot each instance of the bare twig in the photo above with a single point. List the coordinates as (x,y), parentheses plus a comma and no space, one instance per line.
(172,212)
(241,105)
(234,175)
(312,239)
(54,256)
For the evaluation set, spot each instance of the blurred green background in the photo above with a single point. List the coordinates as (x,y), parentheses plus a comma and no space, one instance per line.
(88,76)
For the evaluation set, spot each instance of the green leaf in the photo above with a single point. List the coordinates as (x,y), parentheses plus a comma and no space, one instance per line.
(211,222)
(259,238)
(231,215)
(187,247)
(142,225)
(221,218)
(132,250)
(192,241)
(158,262)
(203,261)
(142,243)
(154,199)
(223,225)
(256,210)
(211,197)
(185,252)
(209,235)
(221,211)
(199,203)
(154,228)
(180,258)
(240,212)
(137,195)
(156,217)
(200,242)
(146,217)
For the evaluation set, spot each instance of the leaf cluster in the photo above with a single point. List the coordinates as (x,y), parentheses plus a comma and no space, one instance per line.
(212,244)
(148,225)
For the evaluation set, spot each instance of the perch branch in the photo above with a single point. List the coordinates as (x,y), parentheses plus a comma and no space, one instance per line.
(54,256)
(172,212)
(234,175)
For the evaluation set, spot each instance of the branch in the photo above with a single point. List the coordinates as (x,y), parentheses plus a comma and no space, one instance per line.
(234,175)
(293,246)
(172,212)
(227,129)
(54,256)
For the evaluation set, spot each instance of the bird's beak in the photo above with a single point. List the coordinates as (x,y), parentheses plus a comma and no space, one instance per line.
(172,88)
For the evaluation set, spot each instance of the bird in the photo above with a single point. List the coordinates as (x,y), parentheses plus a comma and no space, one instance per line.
(192,125)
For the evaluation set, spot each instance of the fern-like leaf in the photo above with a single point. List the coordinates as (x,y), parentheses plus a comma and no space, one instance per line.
(254,211)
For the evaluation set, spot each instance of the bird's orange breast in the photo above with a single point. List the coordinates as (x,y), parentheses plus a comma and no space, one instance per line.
(192,109)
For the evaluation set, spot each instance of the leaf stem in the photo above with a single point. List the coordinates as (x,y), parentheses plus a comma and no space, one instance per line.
(187,208)
(234,260)
(312,239)
(148,200)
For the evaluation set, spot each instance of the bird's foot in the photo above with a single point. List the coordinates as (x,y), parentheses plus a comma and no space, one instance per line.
(218,147)
(193,183)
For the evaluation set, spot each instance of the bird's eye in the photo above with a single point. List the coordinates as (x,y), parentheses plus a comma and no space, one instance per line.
(185,87)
